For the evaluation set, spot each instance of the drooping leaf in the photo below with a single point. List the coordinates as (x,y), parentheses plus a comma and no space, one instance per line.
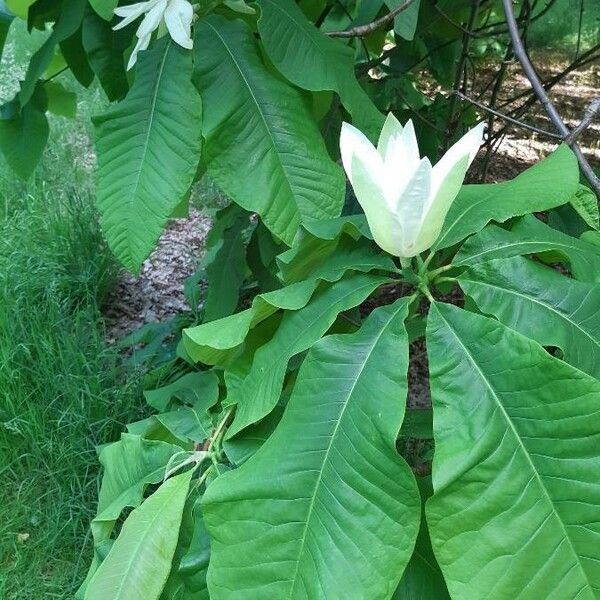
(60,100)
(547,184)
(24,132)
(530,236)
(405,24)
(69,21)
(193,566)
(326,508)
(139,561)
(19,8)
(76,58)
(105,8)
(313,61)
(189,389)
(104,48)
(148,150)
(226,271)
(263,147)
(130,465)
(217,342)
(516,470)
(298,331)
(542,304)
(586,204)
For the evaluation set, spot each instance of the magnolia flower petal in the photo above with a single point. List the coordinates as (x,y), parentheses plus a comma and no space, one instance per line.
(178,17)
(468,145)
(411,209)
(386,230)
(152,19)
(440,204)
(391,128)
(142,44)
(131,13)
(354,143)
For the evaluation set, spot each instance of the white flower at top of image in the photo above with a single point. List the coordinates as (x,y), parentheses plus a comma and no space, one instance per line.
(176,14)
(404,197)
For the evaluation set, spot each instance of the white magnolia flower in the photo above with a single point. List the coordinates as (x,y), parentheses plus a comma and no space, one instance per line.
(176,14)
(405,199)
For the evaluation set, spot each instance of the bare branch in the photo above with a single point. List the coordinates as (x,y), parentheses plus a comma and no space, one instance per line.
(590,113)
(540,92)
(363,30)
(507,118)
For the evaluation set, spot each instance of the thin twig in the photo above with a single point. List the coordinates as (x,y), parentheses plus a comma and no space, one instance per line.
(363,30)
(540,92)
(590,113)
(507,118)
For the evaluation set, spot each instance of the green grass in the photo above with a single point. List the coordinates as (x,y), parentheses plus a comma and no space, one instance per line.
(62,391)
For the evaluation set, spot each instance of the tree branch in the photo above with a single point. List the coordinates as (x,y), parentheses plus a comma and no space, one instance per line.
(507,118)
(590,113)
(543,97)
(363,30)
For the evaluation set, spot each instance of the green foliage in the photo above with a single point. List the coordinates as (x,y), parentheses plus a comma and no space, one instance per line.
(275,143)
(281,460)
(516,434)
(148,148)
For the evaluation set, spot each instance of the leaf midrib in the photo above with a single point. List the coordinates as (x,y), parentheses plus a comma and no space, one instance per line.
(330,445)
(132,215)
(535,301)
(551,245)
(519,442)
(259,110)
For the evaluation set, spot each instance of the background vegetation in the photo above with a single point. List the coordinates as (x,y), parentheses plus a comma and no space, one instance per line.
(62,391)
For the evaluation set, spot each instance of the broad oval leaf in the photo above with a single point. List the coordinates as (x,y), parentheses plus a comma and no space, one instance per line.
(148,150)
(326,508)
(549,183)
(542,304)
(313,61)
(530,236)
(263,147)
(139,561)
(516,473)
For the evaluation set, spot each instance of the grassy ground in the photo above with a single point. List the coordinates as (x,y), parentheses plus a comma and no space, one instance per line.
(62,392)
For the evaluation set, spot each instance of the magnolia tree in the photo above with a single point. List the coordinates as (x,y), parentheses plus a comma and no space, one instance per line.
(282,460)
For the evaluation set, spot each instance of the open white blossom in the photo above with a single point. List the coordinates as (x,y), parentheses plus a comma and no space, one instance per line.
(404,197)
(176,14)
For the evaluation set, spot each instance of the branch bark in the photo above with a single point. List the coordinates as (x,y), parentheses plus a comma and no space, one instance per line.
(543,97)
(363,30)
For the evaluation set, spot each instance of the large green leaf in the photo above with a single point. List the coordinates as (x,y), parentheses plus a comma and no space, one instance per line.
(313,61)
(139,562)
(263,147)
(105,8)
(516,470)
(326,508)
(547,184)
(67,24)
(217,342)
(298,331)
(130,465)
(24,132)
(542,304)
(148,150)
(530,236)
(226,271)
(104,48)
